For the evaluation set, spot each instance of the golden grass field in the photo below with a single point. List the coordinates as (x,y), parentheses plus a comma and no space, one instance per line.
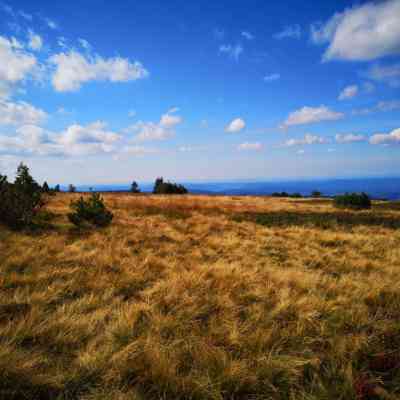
(200,297)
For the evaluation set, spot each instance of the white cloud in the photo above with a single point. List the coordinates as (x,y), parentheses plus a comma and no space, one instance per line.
(236,125)
(384,106)
(188,149)
(247,35)
(389,74)
(363,32)
(161,130)
(272,77)
(348,92)
(73,69)
(35,41)
(76,140)
(20,113)
(255,146)
(51,24)
(368,87)
(349,138)
(293,31)
(85,44)
(131,113)
(138,150)
(386,138)
(232,51)
(307,140)
(15,64)
(309,115)
(25,15)
(62,42)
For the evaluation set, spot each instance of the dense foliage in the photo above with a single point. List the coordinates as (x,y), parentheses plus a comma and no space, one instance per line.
(355,201)
(19,201)
(91,211)
(161,187)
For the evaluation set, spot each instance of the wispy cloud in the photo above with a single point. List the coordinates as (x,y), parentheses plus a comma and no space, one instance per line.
(310,115)
(247,35)
(272,77)
(252,146)
(232,51)
(308,139)
(290,31)
(348,92)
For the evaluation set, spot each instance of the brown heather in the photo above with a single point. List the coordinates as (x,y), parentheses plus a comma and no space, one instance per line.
(196,297)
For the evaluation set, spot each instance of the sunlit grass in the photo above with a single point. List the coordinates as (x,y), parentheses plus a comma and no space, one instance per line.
(203,298)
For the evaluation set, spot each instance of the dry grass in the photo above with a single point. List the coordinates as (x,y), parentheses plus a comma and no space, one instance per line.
(203,298)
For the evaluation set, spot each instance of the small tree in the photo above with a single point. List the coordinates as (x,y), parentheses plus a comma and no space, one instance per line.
(71,188)
(135,187)
(20,201)
(57,188)
(161,187)
(91,211)
(45,188)
(316,193)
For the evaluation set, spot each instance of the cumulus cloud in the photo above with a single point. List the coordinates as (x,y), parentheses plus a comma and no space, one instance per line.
(16,64)
(389,74)
(255,146)
(349,138)
(307,140)
(363,32)
(309,115)
(236,125)
(20,113)
(272,77)
(348,92)
(161,130)
(231,51)
(75,140)
(72,69)
(291,31)
(247,35)
(34,41)
(386,138)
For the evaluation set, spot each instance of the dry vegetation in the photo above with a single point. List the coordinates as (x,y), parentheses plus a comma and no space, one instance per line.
(203,298)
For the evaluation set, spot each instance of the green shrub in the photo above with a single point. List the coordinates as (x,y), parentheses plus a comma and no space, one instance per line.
(316,193)
(161,187)
(355,201)
(135,187)
(91,211)
(19,201)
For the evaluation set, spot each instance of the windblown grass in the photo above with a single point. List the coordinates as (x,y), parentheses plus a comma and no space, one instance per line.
(200,297)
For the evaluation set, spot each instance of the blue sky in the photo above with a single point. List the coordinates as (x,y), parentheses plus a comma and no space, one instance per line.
(107,92)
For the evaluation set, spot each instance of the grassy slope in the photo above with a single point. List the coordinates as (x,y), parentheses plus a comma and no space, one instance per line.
(206,298)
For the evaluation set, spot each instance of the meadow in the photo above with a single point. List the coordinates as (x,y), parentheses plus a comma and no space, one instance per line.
(203,297)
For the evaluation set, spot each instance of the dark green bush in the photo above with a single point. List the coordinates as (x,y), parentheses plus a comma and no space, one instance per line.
(91,211)
(135,187)
(316,193)
(19,201)
(280,194)
(355,201)
(161,187)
